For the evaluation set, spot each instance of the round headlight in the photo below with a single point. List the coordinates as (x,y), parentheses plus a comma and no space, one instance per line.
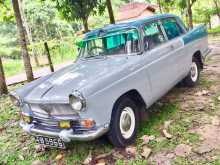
(77,102)
(15,100)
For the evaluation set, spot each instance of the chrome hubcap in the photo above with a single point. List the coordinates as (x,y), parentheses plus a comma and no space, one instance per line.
(127,122)
(194,72)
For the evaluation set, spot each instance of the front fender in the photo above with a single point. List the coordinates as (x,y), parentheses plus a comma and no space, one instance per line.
(100,104)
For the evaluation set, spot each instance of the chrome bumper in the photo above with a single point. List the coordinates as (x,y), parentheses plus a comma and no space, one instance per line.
(65,135)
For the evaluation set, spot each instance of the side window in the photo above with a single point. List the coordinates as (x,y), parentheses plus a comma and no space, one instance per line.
(172,28)
(153,36)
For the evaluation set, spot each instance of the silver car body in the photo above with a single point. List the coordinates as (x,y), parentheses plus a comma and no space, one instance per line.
(102,81)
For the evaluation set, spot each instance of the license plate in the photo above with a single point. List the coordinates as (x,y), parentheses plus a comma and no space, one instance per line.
(50,141)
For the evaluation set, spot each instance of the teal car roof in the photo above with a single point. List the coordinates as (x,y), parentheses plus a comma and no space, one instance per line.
(126,25)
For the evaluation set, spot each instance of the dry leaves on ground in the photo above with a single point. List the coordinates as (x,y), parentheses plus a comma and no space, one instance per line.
(146,151)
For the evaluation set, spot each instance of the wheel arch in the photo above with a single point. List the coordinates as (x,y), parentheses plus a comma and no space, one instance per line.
(198,56)
(134,95)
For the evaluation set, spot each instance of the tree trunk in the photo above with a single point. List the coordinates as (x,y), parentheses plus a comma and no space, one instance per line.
(3,86)
(190,16)
(85,25)
(23,42)
(160,8)
(217,8)
(28,33)
(49,57)
(210,24)
(110,12)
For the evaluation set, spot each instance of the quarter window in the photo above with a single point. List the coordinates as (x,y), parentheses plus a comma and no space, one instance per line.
(153,36)
(172,28)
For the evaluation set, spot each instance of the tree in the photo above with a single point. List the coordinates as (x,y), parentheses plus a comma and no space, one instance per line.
(159,5)
(110,11)
(23,41)
(189,11)
(216,3)
(78,10)
(28,33)
(3,86)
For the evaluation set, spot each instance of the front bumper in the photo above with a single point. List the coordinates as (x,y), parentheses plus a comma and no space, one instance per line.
(66,135)
(205,54)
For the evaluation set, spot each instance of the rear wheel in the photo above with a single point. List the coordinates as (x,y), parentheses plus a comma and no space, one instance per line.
(124,123)
(193,76)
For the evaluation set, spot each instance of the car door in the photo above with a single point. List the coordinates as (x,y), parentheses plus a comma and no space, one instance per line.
(174,32)
(159,59)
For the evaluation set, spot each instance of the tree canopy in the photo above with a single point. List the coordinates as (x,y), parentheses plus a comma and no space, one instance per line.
(78,10)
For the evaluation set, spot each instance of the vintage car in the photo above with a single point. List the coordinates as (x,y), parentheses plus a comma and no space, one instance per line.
(121,70)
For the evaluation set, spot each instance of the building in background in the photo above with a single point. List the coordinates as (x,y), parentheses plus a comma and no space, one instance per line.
(135,10)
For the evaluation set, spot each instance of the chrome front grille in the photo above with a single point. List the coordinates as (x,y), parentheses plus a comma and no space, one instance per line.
(45,121)
(42,117)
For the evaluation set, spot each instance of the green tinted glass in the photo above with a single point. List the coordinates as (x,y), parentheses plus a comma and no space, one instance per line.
(151,29)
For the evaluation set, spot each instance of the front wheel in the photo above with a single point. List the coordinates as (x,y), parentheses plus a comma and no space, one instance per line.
(193,76)
(124,123)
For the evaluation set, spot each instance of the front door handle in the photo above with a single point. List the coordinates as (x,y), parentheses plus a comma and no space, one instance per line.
(172,47)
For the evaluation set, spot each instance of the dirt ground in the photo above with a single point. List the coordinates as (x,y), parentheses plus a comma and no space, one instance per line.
(200,108)
(182,128)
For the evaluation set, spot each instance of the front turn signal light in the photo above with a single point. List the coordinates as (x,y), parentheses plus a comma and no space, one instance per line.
(88,123)
(65,124)
(27,119)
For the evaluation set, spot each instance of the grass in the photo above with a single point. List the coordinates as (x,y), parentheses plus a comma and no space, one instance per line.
(60,52)
(13,67)
(16,66)
(16,147)
(214,30)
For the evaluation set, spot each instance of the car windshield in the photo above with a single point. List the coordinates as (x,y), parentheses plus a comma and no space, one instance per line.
(116,43)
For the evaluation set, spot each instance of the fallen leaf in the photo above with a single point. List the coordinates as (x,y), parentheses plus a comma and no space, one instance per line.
(2,129)
(117,155)
(146,139)
(218,98)
(166,134)
(146,152)
(59,157)
(170,155)
(132,150)
(39,148)
(38,162)
(88,158)
(101,156)
(215,121)
(167,124)
(21,157)
(182,150)
(202,93)
(101,162)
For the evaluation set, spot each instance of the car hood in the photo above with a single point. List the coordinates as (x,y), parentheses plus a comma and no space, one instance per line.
(74,77)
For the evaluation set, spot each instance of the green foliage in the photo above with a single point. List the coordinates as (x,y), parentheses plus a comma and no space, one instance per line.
(43,21)
(13,67)
(6,13)
(78,10)
(214,30)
